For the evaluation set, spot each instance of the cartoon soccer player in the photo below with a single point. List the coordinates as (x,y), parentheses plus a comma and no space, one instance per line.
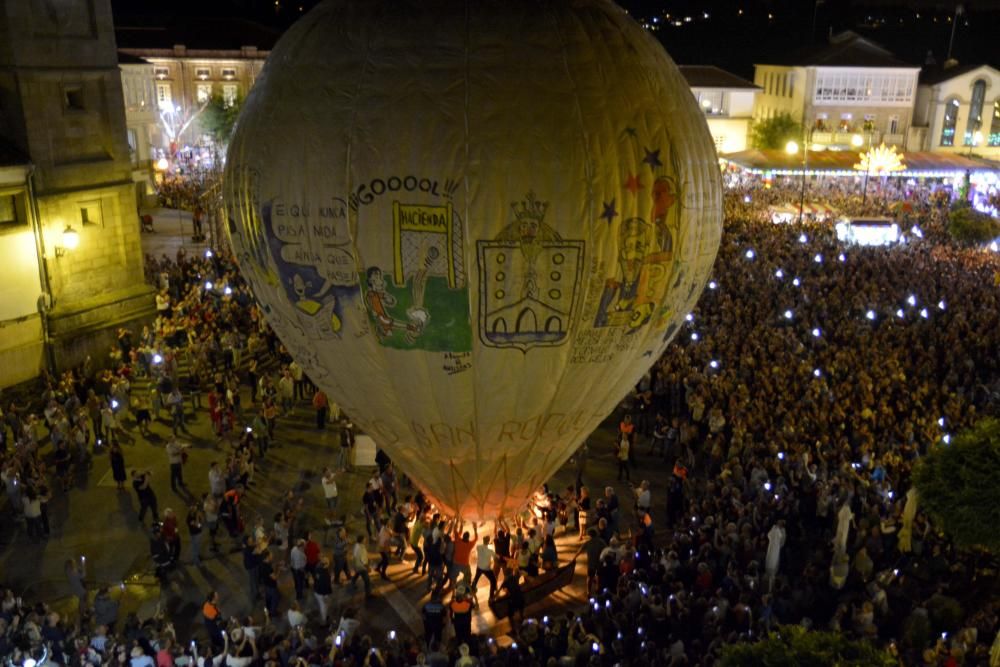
(379,301)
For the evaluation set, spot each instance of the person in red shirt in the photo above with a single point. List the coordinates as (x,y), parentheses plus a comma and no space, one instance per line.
(463,549)
(312,553)
(170,534)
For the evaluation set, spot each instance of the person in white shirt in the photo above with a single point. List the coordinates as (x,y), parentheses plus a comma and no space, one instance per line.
(359,560)
(330,488)
(484,565)
(140,659)
(643,500)
(297,563)
(295,616)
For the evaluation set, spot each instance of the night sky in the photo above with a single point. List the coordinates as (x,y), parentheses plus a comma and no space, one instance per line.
(725,37)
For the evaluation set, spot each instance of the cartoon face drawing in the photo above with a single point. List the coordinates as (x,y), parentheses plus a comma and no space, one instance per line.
(299,285)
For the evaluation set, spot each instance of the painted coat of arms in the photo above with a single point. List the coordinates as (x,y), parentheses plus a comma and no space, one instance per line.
(528,281)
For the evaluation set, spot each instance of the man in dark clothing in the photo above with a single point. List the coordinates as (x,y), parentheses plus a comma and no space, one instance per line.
(251,563)
(435,616)
(594,546)
(145,494)
(460,610)
(269,580)
(515,598)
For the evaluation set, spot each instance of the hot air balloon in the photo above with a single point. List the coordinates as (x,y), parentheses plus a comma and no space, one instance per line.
(475,224)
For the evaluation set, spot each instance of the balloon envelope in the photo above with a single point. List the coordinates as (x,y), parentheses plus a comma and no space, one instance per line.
(475,224)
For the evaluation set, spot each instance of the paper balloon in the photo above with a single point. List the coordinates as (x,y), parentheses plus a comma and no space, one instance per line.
(475,224)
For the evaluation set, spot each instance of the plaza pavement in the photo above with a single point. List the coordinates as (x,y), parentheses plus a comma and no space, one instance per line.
(96,521)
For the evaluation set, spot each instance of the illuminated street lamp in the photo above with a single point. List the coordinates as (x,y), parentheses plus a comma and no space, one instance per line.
(70,241)
(792,147)
(70,238)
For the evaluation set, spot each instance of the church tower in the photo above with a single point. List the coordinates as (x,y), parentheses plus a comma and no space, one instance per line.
(62,127)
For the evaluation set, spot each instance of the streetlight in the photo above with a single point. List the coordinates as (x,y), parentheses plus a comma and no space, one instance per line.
(857,141)
(70,241)
(977,138)
(70,238)
(792,147)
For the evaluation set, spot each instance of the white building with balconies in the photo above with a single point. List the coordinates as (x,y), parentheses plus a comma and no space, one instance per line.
(849,87)
(727,102)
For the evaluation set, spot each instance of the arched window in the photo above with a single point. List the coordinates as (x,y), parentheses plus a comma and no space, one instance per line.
(995,125)
(948,126)
(975,123)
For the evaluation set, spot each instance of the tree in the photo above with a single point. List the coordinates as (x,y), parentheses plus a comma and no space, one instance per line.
(775,132)
(218,119)
(970,227)
(793,646)
(958,486)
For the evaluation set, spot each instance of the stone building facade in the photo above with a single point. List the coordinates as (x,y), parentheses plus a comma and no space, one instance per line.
(182,79)
(959,105)
(66,169)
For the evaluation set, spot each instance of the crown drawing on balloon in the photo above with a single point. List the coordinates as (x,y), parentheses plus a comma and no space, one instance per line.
(529,209)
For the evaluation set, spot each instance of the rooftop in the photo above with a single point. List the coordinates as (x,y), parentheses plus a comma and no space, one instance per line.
(197,33)
(710,76)
(129,59)
(937,74)
(846,49)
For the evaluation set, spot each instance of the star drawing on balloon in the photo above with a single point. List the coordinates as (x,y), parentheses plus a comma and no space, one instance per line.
(609,213)
(629,132)
(632,184)
(652,158)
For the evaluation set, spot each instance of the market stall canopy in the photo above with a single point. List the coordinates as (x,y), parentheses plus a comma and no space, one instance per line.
(830,162)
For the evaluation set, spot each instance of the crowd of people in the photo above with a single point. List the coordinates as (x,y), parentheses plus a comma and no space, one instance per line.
(786,418)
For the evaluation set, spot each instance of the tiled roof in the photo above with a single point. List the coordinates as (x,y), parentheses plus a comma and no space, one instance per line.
(129,59)
(709,76)
(934,75)
(848,49)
